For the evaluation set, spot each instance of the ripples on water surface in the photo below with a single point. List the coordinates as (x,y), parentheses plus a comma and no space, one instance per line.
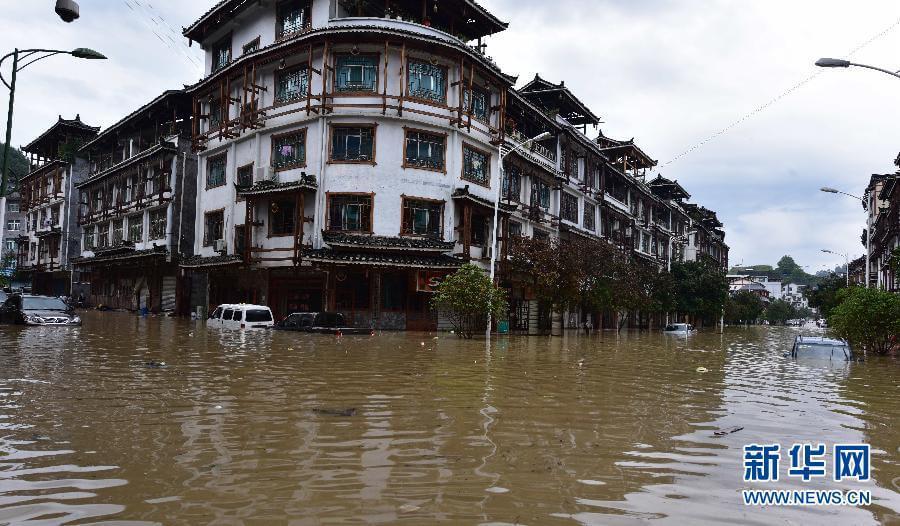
(276,428)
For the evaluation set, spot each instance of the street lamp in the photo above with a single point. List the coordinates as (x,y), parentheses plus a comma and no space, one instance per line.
(29,57)
(829,190)
(846,261)
(840,63)
(501,157)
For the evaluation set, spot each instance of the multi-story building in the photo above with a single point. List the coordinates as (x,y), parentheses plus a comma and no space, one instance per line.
(51,236)
(15,224)
(348,155)
(136,208)
(882,202)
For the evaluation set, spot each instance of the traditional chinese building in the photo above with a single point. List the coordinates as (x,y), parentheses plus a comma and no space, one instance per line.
(136,208)
(347,153)
(882,202)
(50,238)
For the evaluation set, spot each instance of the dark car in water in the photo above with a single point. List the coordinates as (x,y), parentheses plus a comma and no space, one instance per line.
(27,309)
(319,322)
(818,348)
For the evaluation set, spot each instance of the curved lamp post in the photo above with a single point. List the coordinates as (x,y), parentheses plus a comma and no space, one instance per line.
(29,57)
(501,157)
(829,190)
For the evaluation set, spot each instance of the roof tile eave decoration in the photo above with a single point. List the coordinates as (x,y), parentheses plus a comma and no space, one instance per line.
(128,162)
(238,5)
(122,253)
(442,261)
(463,194)
(74,123)
(211,261)
(306,182)
(386,243)
(43,167)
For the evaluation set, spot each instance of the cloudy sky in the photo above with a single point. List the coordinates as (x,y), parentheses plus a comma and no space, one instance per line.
(671,73)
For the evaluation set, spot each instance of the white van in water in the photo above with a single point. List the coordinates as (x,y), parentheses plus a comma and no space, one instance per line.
(241,316)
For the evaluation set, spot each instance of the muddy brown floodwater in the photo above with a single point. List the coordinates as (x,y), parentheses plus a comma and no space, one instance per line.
(158,421)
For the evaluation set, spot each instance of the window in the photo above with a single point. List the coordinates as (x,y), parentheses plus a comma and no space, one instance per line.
(215,113)
(282,217)
(427,81)
(215,171)
(136,228)
(14,224)
(291,84)
(289,151)
(221,54)
(355,73)
(214,227)
(251,47)
(512,184)
(477,103)
(12,207)
(424,150)
(293,17)
(569,208)
(350,212)
(515,229)
(103,235)
(476,166)
(540,194)
(11,245)
(245,176)
(89,238)
(479,230)
(353,144)
(158,224)
(118,231)
(589,216)
(422,217)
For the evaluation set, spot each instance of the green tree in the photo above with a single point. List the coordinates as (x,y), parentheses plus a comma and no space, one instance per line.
(824,295)
(466,297)
(18,166)
(778,312)
(744,307)
(700,290)
(867,318)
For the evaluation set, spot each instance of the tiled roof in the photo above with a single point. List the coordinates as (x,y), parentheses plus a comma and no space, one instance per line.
(382,259)
(339,239)
(121,253)
(463,194)
(166,94)
(271,187)
(213,261)
(128,162)
(69,123)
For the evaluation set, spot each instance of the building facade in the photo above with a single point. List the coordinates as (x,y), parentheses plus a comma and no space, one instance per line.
(50,237)
(136,209)
(882,203)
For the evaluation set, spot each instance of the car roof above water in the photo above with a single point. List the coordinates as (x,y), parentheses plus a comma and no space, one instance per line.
(819,340)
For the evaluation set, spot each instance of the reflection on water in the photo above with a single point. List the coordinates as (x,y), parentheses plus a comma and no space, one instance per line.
(157,421)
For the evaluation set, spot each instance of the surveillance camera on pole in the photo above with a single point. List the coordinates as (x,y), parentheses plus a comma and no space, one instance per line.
(67,10)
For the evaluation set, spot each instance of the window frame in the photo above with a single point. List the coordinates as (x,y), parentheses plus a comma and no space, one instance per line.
(424,100)
(467,100)
(214,66)
(405,232)
(487,164)
(215,158)
(280,34)
(564,207)
(329,198)
(165,221)
(592,215)
(270,222)
(377,60)
(298,164)
(305,94)
(131,227)
(251,44)
(331,130)
(206,241)
(406,165)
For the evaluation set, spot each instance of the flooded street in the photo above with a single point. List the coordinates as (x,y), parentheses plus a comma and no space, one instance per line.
(160,421)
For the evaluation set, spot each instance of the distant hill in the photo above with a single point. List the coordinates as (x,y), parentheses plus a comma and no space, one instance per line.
(787,271)
(18,167)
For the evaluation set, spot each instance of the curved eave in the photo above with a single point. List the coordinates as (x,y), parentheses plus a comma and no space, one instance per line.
(128,163)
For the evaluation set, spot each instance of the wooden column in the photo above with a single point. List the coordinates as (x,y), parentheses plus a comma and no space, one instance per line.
(467,230)
(248,232)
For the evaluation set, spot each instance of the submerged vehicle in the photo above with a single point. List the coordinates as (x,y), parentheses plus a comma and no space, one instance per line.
(26,309)
(819,348)
(241,316)
(320,322)
(679,328)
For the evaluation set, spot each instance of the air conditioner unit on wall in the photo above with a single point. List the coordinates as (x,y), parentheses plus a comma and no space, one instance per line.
(220,246)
